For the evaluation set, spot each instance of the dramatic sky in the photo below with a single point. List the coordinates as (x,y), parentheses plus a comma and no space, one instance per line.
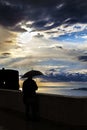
(47,35)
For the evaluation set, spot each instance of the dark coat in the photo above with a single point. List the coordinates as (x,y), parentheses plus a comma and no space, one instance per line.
(29,90)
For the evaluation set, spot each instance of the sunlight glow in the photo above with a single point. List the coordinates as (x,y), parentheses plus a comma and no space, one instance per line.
(25,37)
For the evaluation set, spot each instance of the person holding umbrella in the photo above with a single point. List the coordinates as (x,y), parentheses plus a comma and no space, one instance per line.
(29,94)
(30,98)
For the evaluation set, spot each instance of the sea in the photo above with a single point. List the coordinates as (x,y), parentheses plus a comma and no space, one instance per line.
(77,89)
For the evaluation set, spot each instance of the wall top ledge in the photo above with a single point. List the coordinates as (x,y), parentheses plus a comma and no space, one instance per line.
(44,94)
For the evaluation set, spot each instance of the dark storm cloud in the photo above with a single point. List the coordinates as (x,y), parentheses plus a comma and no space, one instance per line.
(43,12)
(9,14)
(71,12)
(17,29)
(83,58)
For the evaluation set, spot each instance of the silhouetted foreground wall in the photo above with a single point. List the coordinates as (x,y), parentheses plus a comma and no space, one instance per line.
(68,110)
(9,79)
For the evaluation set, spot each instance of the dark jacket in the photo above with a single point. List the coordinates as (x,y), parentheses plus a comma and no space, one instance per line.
(29,89)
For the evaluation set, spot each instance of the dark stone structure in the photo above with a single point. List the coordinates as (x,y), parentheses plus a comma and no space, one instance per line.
(9,79)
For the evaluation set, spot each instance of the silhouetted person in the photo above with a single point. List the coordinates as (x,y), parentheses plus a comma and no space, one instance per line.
(30,98)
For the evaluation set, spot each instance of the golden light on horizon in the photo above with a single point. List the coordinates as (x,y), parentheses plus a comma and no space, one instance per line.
(44,84)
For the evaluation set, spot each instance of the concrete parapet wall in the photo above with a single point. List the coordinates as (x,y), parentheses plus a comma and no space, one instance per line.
(68,110)
(64,109)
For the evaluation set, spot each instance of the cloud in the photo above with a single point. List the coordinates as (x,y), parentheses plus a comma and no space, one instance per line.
(17,28)
(58,47)
(42,13)
(56,30)
(66,77)
(9,41)
(39,35)
(9,14)
(6,54)
(74,33)
(83,58)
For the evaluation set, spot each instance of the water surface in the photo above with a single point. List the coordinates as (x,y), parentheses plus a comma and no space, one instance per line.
(69,89)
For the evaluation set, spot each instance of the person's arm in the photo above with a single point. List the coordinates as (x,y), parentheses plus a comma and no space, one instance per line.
(35,85)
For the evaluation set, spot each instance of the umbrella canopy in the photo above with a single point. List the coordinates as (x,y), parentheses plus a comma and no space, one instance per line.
(32,73)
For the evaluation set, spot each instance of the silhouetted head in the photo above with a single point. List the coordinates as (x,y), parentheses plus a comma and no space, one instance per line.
(3,68)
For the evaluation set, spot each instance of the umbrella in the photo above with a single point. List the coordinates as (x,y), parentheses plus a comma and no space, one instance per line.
(32,73)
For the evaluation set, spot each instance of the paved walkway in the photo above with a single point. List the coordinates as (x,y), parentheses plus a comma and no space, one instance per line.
(10,120)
